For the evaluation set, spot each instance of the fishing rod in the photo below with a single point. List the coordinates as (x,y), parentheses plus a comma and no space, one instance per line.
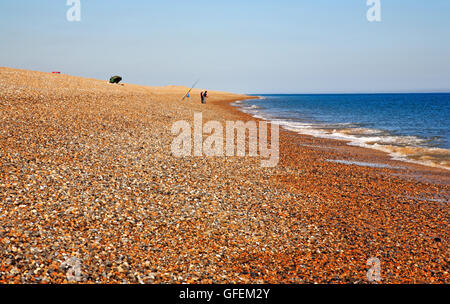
(190,90)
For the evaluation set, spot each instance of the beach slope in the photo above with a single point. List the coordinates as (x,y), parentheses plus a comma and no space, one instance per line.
(87,176)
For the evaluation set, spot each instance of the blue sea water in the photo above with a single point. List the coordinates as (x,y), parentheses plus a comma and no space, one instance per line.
(384,121)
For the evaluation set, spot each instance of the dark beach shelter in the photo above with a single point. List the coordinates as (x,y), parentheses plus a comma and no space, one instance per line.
(115,79)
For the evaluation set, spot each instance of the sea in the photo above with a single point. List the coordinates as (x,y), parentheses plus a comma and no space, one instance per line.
(410,127)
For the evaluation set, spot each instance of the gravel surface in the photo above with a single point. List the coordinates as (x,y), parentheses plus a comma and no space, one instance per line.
(87,180)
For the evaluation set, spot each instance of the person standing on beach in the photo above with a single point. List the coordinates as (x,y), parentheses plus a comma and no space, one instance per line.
(202,96)
(205,95)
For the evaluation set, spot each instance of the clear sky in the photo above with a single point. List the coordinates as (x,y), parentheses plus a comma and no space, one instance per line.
(258,46)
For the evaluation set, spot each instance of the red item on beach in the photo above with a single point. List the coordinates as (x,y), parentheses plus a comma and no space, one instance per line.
(56,72)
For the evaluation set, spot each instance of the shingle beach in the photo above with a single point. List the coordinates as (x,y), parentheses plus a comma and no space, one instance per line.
(86,172)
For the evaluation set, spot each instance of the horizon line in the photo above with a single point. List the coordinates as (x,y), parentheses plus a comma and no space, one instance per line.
(355,93)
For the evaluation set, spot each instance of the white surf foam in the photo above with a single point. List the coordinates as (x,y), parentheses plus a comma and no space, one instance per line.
(402,148)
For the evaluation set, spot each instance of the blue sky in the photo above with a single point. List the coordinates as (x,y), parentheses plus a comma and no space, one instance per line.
(241,46)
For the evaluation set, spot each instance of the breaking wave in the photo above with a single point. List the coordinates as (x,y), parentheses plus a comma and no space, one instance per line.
(405,148)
